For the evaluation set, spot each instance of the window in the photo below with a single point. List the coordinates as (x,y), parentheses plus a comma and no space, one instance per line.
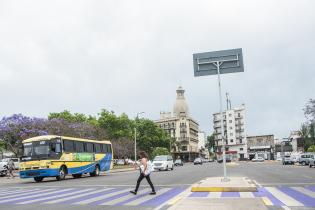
(231,134)
(230,115)
(97,148)
(231,140)
(68,146)
(239,114)
(231,128)
(89,147)
(79,146)
(241,149)
(230,121)
(184,148)
(240,141)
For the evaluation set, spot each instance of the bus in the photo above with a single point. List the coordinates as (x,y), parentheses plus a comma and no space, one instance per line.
(58,156)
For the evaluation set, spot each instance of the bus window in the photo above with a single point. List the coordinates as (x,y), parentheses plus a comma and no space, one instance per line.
(97,148)
(89,147)
(68,146)
(79,146)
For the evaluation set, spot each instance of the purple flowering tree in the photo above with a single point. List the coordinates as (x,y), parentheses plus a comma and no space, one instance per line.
(17,127)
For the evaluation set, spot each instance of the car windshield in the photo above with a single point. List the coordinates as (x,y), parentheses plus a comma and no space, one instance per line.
(40,149)
(160,158)
(197,159)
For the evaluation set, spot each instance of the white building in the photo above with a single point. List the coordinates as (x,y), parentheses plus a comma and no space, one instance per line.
(182,127)
(234,133)
(296,141)
(202,139)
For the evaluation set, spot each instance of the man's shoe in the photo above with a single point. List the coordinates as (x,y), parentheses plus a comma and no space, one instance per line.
(133,192)
(152,193)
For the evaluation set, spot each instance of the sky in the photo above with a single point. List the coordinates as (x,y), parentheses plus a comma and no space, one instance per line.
(131,56)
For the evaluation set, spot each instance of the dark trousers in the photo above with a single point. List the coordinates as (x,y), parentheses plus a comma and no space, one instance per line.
(148,180)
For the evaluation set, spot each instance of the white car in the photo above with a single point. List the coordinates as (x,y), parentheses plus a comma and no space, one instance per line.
(259,159)
(163,162)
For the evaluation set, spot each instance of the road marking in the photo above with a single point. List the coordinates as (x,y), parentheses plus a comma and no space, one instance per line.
(52,197)
(76,196)
(8,192)
(101,197)
(36,194)
(214,195)
(267,201)
(246,195)
(256,183)
(284,198)
(127,197)
(24,193)
(147,197)
(285,208)
(305,191)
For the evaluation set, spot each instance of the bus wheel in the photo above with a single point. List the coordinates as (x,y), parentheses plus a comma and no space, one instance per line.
(38,179)
(76,175)
(96,171)
(62,173)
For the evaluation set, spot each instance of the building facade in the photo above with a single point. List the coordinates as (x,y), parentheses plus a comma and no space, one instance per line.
(234,133)
(261,146)
(182,128)
(202,139)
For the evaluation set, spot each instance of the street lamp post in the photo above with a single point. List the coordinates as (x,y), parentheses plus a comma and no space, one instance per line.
(136,135)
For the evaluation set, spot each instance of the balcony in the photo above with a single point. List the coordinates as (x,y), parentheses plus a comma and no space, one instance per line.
(182,139)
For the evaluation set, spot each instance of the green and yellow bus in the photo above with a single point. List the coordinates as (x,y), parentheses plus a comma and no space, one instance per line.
(58,156)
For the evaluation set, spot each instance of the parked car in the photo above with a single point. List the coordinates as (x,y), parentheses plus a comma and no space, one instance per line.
(211,160)
(163,162)
(198,161)
(311,161)
(227,159)
(304,159)
(178,162)
(287,160)
(258,159)
(120,162)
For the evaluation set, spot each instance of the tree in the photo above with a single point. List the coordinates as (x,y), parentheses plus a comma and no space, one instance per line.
(150,136)
(309,110)
(308,128)
(311,148)
(17,127)
(159,151)
(210,142)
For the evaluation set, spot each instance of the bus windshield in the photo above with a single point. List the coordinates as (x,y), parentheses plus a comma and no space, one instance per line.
(41,149)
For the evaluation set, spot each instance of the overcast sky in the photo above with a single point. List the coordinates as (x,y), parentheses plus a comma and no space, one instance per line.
(130,56)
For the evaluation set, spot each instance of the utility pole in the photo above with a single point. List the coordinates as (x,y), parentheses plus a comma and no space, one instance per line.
(136,134)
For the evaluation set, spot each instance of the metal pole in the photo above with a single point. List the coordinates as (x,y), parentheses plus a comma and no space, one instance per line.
(225,179)
(135,143)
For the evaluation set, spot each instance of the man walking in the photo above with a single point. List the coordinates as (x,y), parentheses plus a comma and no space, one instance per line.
(10,168)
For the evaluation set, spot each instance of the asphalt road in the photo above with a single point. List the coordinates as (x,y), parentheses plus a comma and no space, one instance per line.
(65,194)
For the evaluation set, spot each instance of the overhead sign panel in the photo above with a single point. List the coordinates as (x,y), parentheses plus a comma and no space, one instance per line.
(228,61)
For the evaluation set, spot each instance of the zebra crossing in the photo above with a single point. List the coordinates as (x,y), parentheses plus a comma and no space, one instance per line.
(112,196)
(276,196)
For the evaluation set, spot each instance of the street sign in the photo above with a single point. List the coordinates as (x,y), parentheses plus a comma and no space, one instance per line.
(216,63)
(229,61)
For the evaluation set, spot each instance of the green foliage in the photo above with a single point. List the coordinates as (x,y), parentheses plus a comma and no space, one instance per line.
(150,136)
(73,118)
(210,142)
(311,148)
(116,126)
(159,151)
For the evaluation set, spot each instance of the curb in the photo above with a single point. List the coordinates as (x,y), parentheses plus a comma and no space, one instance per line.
(223,189)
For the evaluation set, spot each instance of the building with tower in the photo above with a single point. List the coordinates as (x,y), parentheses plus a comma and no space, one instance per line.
(182,128)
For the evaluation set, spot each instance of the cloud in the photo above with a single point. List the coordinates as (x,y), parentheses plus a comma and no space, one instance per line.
(130,56)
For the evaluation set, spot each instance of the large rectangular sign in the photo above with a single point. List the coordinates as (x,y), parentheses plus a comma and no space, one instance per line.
(229,61)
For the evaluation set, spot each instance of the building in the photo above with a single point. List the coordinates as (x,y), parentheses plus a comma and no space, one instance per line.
(182,127)
(261,146)
(202,139)
(234,133)
(296,141)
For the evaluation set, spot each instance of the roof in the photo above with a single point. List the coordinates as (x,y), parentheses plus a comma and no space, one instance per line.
(48,137)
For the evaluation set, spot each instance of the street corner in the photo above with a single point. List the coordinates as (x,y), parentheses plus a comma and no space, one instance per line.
(218,184)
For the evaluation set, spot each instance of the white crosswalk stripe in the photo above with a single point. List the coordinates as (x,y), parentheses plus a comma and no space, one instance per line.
(246,195)
(9,191)
(36,194)
(50,197)
(284,198)
(124,198)
(101,197)
(147,197)
(24,193)
(214,195)
(305,191)
(76,196)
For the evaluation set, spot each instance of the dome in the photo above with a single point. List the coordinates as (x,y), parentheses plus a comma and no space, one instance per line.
(180,105)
